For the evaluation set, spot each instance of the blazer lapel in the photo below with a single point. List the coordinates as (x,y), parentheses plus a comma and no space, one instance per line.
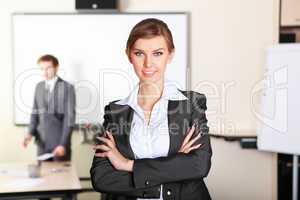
(44,95)
(57,87)
(179,120)
(124,114)
(53,99)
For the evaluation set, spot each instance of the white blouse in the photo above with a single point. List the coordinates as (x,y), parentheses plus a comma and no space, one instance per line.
(151,140)
(50,84)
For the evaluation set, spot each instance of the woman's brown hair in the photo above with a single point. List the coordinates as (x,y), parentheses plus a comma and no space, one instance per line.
(149,28)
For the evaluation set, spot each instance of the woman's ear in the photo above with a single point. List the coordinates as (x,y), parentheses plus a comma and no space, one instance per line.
(171,55)
(128,55)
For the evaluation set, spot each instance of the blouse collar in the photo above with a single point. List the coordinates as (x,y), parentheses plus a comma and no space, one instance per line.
(170,92)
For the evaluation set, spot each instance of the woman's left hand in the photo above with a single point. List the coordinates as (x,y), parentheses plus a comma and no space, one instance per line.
(188,142)
(110,151)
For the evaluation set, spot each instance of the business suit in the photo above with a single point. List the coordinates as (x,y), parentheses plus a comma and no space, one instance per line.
(181,174)
(53,117)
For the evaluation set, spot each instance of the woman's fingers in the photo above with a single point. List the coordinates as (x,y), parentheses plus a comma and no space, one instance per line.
(188,149)
(192,148)
(106,141)
(111,137)
(102,154)
(189,143)
(188,136)
(192,141)
(101,147)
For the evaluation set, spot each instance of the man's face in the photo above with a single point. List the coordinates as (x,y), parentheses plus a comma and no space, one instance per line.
(49,70)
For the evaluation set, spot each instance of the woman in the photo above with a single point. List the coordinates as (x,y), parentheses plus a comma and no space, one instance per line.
(156,145)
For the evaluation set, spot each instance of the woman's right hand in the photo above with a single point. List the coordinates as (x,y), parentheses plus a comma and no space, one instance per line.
(188,142)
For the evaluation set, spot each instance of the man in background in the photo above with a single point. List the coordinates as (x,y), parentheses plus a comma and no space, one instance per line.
(53,115)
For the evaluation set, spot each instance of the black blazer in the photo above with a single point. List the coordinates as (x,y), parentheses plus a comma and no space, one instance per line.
(181,174)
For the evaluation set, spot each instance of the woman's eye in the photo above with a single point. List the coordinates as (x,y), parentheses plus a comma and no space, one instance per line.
(138,53)
(158,53)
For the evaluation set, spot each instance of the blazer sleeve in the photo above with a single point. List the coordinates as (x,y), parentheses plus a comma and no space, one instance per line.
(69,115)
(106,179)
(178,167)
(34,117)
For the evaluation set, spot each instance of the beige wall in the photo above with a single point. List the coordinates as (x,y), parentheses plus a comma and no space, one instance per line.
(227,47)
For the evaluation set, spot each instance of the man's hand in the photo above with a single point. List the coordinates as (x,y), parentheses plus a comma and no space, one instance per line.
(59,151)
(110,151)
(26,140)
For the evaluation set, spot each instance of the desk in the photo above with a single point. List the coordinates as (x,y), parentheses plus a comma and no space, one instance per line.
(58,179)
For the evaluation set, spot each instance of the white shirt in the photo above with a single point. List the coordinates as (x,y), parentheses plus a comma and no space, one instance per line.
(151,140)
(51,83)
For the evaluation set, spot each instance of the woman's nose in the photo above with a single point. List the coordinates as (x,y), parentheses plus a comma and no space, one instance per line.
(148,61)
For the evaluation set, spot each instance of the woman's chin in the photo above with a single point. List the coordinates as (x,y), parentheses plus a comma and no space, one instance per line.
(150,79)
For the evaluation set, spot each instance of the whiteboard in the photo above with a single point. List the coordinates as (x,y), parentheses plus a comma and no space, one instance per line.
(280,130)
(91,52)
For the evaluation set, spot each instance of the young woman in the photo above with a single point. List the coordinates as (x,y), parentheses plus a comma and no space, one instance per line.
(156,145)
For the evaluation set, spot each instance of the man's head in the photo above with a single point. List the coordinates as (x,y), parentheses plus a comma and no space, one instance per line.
(49,65)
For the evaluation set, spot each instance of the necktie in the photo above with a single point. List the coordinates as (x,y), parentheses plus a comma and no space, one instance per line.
(48,93)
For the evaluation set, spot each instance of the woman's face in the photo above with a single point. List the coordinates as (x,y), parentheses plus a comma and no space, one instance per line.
(149,58)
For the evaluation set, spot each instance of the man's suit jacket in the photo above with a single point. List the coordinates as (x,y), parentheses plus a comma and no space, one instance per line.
(52,119)
(181,174)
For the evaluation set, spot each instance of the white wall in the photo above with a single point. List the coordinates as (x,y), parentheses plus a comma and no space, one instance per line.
(227,46)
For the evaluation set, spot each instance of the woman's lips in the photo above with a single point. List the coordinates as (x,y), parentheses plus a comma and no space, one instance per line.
(148,72)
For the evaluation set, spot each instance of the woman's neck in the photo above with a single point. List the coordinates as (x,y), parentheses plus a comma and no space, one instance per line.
(150,92)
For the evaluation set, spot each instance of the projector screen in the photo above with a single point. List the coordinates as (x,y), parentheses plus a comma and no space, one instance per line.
(91,52)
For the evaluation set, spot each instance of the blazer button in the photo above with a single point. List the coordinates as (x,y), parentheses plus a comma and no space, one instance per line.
(169,192)
(146,182)
(144,194)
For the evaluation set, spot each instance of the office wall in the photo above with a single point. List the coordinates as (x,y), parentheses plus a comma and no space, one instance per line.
(227,51)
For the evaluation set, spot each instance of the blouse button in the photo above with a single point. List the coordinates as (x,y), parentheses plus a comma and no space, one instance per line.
(169,192)
(146,182)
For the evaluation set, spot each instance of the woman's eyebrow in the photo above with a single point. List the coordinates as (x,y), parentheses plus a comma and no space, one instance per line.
(158,49)
(135,49)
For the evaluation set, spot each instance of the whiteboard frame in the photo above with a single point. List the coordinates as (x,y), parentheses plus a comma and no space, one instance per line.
(274,146)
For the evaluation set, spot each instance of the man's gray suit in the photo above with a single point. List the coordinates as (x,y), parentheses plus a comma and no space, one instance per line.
(53,117)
